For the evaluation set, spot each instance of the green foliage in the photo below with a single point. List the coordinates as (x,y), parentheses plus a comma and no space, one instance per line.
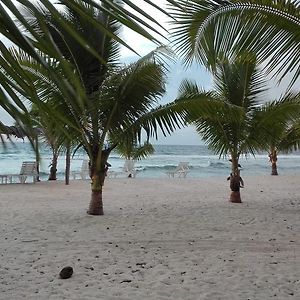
(204,30)
(117,105)
(282,124)
(290,139)
(39,42)
(131,150)
(239,122)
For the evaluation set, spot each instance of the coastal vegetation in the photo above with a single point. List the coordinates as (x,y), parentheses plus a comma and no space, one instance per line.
(12,28)
(117,100)
(69,69)
(205,29)
(240,84)
(285,140)
(217,34)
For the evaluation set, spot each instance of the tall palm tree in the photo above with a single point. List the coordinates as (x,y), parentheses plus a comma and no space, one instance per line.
(238,83)
(107,88)
(117,100)
(205,29)
(126,101)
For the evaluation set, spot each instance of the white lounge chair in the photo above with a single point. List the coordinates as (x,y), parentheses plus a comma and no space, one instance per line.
(181,170)
(84,171)
(28,168)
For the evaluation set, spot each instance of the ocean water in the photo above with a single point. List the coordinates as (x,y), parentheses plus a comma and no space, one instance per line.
(202,162)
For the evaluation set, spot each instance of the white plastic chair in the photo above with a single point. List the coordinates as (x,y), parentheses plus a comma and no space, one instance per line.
(129,168)
(181,170)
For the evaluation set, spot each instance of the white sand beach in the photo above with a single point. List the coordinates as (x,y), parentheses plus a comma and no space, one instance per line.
(159,239)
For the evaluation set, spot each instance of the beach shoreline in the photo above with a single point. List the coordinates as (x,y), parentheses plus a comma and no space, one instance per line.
(159,239)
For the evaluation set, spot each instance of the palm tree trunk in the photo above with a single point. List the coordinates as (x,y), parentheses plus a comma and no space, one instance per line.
(235,196)
(53,169)
(38,170)
(37,160)
(274,169)
(235,181)
(273,160)
(96,203)
(68,165)
(98,177)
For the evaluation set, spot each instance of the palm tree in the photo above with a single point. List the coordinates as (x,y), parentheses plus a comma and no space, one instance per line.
(283,138)
(240,85)
(115,97)
(47,134)
(205,29)
(115,100)
(127,98)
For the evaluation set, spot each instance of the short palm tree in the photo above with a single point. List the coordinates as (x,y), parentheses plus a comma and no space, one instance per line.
(50,135)
(242,125)
(283,139)
(205,29)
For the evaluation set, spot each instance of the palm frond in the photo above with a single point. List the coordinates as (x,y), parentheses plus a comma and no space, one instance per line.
(240,81)
(130,149)
(206,29)
(290,140)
